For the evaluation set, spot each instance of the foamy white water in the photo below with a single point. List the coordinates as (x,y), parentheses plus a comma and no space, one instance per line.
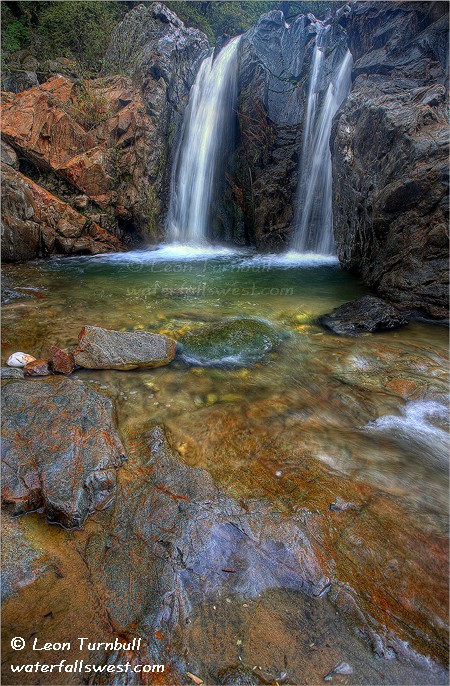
(418,427)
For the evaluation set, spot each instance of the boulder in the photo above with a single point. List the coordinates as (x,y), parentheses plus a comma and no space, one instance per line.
(103,349)
(60,450)
(365,315)
(390,155)
(233,343)
(37,223)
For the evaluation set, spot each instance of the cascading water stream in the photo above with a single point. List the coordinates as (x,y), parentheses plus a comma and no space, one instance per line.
(314,215)
(207,129)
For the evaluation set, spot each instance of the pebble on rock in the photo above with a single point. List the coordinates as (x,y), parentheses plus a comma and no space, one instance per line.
(19,360)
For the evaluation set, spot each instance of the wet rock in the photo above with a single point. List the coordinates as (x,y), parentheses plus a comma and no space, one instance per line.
(365,315)
(62,361)
(390,155)
(155,49)
(11,373)
(60,450)
(37,223)
(37,368)
(22,560)
(275,67)
(103,349)
(233,343)
(175,529)
(239,676)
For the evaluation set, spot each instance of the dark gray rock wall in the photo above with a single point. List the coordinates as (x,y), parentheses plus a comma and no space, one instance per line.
(275,66)
(390,154)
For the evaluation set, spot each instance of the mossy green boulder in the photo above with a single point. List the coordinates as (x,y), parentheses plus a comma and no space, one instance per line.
(231,343)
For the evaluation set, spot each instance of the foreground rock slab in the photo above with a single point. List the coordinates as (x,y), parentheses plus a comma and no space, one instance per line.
(365,315)
(103,349)
(60,450)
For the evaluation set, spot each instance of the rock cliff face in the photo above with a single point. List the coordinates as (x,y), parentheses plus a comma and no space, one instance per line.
(162,56)
(36,223)
(390,154)
(103,145)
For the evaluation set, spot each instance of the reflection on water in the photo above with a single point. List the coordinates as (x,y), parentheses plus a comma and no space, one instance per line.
(319,420)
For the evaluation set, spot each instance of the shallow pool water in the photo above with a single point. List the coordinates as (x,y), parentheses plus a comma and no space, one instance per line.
(321,422)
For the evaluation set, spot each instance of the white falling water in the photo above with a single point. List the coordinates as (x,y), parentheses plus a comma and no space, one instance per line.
(207,126)
(314,215)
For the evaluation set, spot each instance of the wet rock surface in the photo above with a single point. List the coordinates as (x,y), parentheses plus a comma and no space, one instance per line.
(60,450)
(389,149)
(236,343)
(11,373)
(366,315)
(102,349)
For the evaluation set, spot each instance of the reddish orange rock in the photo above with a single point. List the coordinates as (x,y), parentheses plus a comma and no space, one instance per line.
(37,368)
(62,361)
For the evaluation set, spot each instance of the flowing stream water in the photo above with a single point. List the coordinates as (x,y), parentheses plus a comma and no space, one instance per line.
(314,214)
(206,132)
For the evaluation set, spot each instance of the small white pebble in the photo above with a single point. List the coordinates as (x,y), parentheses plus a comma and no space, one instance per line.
(228,600)
(214,607)
(277,473)
(239,642)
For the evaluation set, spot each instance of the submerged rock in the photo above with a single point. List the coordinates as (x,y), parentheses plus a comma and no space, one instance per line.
(60,450)
(103,349)
(365,315)
(234,343)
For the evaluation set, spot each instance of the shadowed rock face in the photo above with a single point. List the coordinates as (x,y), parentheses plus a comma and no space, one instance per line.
(274,71)
(60,450)
(102,349)
(37,223)
(390,152)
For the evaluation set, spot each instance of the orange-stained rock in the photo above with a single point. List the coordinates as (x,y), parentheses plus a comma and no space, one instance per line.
(62,361)
(36,223)
(97,136)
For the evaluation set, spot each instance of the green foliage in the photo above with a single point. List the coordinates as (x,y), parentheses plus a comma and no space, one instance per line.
(14,35)
(80,30)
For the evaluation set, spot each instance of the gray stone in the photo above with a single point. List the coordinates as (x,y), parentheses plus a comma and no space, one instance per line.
(9,155)
(103,349)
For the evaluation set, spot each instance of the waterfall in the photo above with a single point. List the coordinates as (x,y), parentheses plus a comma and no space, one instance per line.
(207,129)
(314,215)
